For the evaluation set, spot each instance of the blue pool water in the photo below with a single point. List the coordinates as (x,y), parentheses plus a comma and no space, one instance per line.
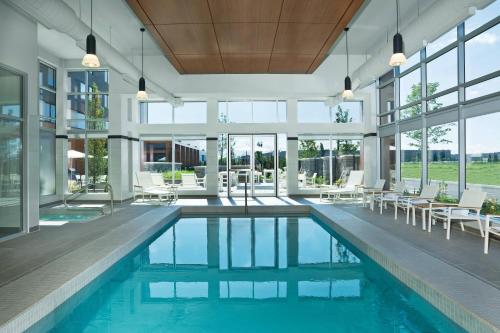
(276,274)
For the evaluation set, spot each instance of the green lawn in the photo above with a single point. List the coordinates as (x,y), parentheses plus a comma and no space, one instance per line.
(477,172)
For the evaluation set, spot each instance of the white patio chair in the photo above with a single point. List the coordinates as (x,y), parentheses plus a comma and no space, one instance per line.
(159,181)
(145,185)
(351,187)
(370,192)
(189,181)
(491,227)
(422,201)
(468,209)
(311,181)
(389,196)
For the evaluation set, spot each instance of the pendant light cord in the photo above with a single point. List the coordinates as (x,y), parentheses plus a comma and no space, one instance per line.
(347,50)
(91,2)
(397,16)
(142,52)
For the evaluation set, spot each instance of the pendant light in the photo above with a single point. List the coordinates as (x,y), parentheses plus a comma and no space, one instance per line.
(347,93)
(141,94)
(90,59)
(398,57)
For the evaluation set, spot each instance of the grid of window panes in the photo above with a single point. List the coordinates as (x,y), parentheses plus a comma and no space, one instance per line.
(320,112)
(194,112)
(252,112)
(47,98)
(87,100)
(474,43)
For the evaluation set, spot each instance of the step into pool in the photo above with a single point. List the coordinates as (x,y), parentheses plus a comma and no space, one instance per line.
(241,274)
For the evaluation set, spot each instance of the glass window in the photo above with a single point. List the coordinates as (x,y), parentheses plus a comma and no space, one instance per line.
(157,158)
(47,162)
(98,82)
(47,77)
(442,157)
(252,112)
(347,112)
(442,73)
(157,113)
(388,159)
(76,164)
(411,159)
(314,161)
(482,89)
(482,16)
(442,101)
(97,112)
(77,82)
(97,161)
(239,112)
(386,103)
(191,162)
(410,61)
(481,54)
(87,168)
(441,42)
(47,108)
(410,88)
(191,113)
(410,112)
(313,112)
(87,100)
(386,77)
(483,154)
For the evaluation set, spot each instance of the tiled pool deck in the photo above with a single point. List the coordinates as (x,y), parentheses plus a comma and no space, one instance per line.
(452,274)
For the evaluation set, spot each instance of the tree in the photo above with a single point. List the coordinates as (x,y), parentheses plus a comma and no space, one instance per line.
(435,134)
(344,147)
(97,148)
(308,149)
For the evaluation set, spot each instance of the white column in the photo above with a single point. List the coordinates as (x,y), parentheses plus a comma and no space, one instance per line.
(212,167)
(292,148)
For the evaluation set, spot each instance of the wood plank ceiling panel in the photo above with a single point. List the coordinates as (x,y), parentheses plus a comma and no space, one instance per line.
(245,36)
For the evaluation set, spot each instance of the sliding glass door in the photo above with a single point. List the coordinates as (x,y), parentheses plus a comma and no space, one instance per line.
(11,152)
(252,160)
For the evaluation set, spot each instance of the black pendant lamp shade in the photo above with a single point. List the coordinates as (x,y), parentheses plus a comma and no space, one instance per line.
(347,93)
(90,59)
(398,57)
(141,94)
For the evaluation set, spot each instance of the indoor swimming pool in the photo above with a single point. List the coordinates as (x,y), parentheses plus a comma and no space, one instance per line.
(242,274)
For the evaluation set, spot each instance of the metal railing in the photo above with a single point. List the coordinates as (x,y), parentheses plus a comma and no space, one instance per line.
(107,188)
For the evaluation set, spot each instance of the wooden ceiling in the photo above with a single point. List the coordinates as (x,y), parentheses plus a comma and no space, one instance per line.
(245,36)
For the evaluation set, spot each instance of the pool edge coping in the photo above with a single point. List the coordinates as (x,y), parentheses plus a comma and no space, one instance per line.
(408,272)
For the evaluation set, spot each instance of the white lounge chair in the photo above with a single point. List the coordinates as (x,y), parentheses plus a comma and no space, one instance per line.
(189,181)
(422,201)
(492,227)
(311,181)
(468,209)
(159,181)
(145,185)
(370,192)
(352,186)
(389,196)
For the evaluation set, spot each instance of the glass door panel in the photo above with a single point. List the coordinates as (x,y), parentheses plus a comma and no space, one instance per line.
(240,164)
(264,152)
(11,152)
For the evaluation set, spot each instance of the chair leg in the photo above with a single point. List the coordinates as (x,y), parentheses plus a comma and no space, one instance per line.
(423,219)
(382,206)
(462,226)
(480,227)
(408,214)
(414,222)
(429,227)
(486,236)
(395,210)
(448,228)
